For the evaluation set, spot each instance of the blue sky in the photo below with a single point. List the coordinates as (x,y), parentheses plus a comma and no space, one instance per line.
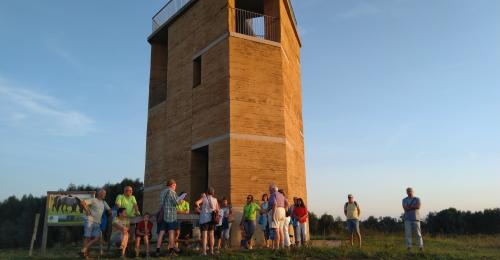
(396,93)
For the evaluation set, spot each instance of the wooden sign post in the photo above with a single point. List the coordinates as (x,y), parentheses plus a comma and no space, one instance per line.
(63,209)
(35,229)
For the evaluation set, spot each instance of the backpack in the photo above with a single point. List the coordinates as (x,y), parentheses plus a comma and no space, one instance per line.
(355,204)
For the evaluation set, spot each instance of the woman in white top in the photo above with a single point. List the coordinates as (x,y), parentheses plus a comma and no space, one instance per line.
(207,204)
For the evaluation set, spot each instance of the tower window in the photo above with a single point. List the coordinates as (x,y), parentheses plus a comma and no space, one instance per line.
(197,72)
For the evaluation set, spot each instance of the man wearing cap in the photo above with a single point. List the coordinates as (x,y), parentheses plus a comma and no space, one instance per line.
(352,213)
(411,206)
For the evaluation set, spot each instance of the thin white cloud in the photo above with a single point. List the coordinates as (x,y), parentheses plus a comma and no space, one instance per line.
(29,110)
(62,53)
(359,10)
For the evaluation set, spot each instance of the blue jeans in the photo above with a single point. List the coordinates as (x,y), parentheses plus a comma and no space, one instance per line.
(352,226)
(410,228)
(91,229)
(249,226)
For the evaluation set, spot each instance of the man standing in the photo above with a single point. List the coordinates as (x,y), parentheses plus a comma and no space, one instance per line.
(94,209)
(277,205)
(168,202)
(352,213)
(411,206)
(128,201)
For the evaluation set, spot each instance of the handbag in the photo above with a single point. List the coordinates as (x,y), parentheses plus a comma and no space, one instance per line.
(215,213)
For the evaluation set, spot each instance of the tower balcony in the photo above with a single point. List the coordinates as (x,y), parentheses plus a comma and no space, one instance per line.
(254,18)
(168,11)
(257,25)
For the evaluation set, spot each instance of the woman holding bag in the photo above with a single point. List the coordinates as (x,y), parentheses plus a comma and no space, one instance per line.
(209,212)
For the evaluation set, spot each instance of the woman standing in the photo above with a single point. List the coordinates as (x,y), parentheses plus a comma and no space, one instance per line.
(300,212)
(207,205)
(286,234)
(263,223)
(248,219)
(227,213)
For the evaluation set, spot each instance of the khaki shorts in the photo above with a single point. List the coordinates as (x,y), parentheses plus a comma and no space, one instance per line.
(278,221)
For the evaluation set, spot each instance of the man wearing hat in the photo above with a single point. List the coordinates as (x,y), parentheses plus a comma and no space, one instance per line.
(411,206)
(352,213)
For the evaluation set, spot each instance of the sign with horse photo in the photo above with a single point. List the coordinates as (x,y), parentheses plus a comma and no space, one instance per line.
(64,208)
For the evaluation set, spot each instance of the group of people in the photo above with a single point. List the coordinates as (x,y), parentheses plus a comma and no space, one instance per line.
(274,215)
(96,212)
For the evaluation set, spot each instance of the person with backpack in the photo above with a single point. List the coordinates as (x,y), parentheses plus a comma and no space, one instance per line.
(96,209)
(411,206)
(352,213)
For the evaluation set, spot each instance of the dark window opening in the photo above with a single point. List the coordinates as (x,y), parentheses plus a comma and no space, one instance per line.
(197,71)
(199,171)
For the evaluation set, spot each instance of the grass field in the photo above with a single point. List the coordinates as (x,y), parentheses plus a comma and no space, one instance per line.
(375,247)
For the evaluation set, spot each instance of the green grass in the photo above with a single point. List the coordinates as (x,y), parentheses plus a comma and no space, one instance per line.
(375,247)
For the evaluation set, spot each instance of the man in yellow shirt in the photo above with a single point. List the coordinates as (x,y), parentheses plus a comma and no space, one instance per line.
(128,201)
(352,213)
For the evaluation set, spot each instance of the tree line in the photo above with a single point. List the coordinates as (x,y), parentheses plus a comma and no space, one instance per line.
(445,222)
(17,219)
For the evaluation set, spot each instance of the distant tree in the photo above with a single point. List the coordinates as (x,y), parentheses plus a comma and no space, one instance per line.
(313,223)
(453,221)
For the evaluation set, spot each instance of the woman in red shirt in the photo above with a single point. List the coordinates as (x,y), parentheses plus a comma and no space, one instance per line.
(300,213)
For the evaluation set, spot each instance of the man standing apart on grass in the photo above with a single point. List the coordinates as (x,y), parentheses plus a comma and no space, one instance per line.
(411,206)
(352,213)
(94,209)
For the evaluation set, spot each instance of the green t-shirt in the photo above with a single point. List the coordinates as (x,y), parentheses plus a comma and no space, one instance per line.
(127,203)
(250,211)
(183,206)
